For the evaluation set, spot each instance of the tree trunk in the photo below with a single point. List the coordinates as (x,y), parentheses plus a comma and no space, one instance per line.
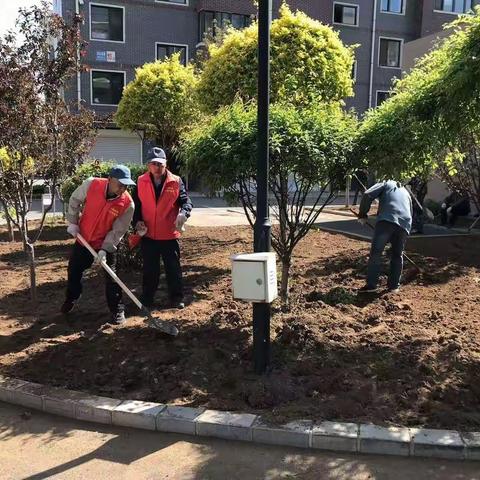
(284,282)
(11,232)
(33,275)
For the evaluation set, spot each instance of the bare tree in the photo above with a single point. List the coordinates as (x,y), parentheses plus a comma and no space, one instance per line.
(42,138)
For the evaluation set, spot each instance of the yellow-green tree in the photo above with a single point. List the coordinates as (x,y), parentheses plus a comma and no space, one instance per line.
(160,101)
(309,63)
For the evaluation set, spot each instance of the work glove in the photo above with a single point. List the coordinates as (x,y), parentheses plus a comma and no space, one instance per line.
(101,256)
(73,230)
(449,210)
(141,228)
(362,220)
(180,222)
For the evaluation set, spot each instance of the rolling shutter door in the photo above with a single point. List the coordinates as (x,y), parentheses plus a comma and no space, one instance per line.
(117,146)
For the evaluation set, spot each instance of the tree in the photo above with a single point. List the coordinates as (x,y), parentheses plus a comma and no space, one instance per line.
(460,169)
(308,161)
(433,108)
(160,101)
(40,137)
(309,63)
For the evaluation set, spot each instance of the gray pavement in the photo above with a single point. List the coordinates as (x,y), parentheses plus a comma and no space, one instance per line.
(37,446)
(210,212)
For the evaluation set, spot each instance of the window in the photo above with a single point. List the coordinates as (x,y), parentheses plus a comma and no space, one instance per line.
(106,23)
(210,21)
(354,71)
(390,53)
(345,14)
(107,87)
(382,96)
(453,6)
(165,50)
(392,6)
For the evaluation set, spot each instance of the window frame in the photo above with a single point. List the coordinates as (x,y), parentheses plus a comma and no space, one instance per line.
(94,4)
(344,4)
(400,60)
(201,35)
(381,91)
(166,2)
(91,86)
(168,44)
(447,12)
(354,71)
(403,12)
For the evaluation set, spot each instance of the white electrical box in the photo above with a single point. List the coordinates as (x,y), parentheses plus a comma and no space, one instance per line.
(254,277)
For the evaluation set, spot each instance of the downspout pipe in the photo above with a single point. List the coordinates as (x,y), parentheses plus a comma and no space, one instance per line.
(79,80)
(372,57)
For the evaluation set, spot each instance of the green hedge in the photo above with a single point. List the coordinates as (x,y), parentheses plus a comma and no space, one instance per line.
(95,169)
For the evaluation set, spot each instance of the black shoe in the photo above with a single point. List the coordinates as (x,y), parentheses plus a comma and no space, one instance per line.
(177,304)
(67,306)
(119,318)
(367,289)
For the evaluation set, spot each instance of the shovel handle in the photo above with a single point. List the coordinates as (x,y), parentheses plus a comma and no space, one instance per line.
(134,299)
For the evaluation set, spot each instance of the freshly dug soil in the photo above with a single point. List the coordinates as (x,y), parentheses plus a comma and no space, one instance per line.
(411,358)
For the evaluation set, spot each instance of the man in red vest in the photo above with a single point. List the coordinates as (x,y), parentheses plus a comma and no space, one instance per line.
(162,207)
(101,210)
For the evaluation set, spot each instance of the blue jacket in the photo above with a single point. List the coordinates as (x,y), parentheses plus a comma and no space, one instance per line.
(395,204)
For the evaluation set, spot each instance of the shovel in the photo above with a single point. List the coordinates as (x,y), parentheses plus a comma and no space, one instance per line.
(156,323)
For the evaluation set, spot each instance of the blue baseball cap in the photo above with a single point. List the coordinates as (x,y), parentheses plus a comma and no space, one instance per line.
(122,174)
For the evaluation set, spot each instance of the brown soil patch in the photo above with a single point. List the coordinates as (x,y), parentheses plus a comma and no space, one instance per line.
(411,358)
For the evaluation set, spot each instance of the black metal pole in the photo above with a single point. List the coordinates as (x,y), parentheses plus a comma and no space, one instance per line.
(261,311)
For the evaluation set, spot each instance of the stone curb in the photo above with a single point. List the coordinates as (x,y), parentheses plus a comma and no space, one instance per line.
(332,436)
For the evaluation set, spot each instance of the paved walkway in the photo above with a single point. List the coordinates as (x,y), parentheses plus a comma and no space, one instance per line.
(37,446)
(209,212)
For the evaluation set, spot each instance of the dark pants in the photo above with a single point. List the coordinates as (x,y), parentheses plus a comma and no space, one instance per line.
(451,219)
(80,260)
(386,232)
(169,250)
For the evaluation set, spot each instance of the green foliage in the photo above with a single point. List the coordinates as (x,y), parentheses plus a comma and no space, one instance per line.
(159,101)
(309,157)
(431,108)
(313,144)
(94,169)
(309,63)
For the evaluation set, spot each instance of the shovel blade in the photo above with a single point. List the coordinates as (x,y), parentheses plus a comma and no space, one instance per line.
(162,326)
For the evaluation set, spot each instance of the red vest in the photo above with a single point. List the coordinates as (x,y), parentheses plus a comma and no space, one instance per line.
(159,216)
(99,213)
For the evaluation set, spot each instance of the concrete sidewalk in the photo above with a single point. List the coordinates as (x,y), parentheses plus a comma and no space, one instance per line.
(37,446)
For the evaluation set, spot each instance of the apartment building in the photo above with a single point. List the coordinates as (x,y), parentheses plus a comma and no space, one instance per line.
(124,34)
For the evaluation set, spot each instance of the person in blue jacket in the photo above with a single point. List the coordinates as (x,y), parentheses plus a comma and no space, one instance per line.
(394,222)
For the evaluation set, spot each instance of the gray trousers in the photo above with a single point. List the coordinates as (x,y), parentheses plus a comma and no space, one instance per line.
(386,232)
